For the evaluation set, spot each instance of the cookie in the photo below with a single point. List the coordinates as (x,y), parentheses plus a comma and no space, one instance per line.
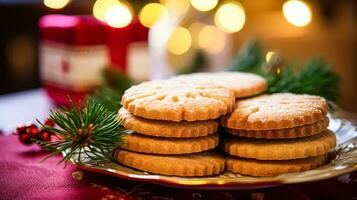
(177,101)
(157,145)
(281,149)
(254,167)
(276,111)
(295,132)
(242,84)
(161,128)
(198,164)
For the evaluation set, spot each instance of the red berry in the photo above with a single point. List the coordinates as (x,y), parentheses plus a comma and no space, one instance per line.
(49,122)
(20,128)
(32,130)
(44,136)
(25,138)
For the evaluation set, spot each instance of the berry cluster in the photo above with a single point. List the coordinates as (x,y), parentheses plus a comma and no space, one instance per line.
(29,132)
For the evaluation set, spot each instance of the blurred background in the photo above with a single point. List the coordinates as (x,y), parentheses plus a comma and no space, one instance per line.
(157,39)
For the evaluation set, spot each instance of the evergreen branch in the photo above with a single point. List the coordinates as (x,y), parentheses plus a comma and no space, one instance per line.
(314,78)
(110,93)
(84,131)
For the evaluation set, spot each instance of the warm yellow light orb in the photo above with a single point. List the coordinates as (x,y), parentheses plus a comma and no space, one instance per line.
(179,41)
(230,17)
(298,13)
(55,4)
(101,6)
(204,5)
(269,55)
(211,39)
(176,7)
(118,16)
(151,12)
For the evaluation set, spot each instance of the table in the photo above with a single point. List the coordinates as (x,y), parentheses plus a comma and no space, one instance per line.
(23,176)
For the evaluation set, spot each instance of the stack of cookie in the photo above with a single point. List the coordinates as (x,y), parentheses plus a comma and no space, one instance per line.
(277,134)
(173,127)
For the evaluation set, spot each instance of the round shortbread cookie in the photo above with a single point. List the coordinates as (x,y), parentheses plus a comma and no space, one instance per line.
(198,164)
(242,84)
(295,132)
(254,167)
(160,128)
(157,145)
(177,101)
(276,111)
(281,149)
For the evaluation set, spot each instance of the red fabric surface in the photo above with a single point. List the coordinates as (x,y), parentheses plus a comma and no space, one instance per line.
(23,176)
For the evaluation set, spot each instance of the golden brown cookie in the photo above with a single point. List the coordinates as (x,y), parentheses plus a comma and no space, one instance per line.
(276,111)
(242,84)
(252,167)
(157,145)
(198,164)
(281,149)
(160,128)
(295,132)
(177,101)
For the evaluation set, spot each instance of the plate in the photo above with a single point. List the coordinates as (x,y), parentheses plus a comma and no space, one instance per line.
(343,160)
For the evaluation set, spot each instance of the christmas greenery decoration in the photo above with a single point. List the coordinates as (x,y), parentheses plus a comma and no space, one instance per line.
(110,93)
(86,131)
(315,77)
(198,62)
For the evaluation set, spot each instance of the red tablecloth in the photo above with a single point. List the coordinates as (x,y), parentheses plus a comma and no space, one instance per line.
(23,176)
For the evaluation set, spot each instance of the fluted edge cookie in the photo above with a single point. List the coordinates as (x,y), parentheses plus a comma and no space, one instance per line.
(177,101)
(295,132)
(281,149)
(157,145)
(276,111)
(198,164)
(254,167)
(241,83)
(160,128)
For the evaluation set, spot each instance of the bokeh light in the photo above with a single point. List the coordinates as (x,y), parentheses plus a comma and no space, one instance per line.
(269,55)
(204,5)
(118,16)
(298,13)
(176,7)
(195,30)
(152,12)
(55,4)
(230,17)
(101,6)
(179,41)
(211,39)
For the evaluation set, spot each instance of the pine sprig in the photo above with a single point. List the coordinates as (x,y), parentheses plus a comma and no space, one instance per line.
(315,77)
(110,93)
(86,133)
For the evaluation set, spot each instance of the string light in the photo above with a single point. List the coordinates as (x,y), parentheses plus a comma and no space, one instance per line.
(101,6)
(269,55)
(118,16)
(211,39)
(195,30)
(176,7)
(150,13)
(179,41)
(297,12)
(56,4)
(204,5)
(230,17)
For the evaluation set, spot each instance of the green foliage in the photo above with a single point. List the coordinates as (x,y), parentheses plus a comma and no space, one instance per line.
(315,77)
(198,62)
(88,131)
(249,57)
(110,93)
